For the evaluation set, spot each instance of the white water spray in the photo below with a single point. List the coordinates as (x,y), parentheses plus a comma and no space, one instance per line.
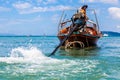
(32,52)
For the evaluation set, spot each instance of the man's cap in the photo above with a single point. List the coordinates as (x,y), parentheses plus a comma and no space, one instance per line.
(85,6)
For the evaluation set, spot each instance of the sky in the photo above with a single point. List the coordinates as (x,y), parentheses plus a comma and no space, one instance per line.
(39,17)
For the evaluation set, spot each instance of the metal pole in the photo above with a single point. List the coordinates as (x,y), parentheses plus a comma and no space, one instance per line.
(60,20)
(96,19)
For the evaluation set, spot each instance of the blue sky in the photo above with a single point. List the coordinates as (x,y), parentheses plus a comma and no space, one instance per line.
(38,17)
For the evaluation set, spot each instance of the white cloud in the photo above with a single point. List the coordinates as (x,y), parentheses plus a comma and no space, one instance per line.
(47,1)
(105,1)
(110,1)
(114,12)
(50,1)
(4,9)
(91,0)
(39,1)
(22,5)
(27,8)
(44,9)
(118,26)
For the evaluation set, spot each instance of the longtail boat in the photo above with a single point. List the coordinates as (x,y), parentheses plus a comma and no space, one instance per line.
(82,38)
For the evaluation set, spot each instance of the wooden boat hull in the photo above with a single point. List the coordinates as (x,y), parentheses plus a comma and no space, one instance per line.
(86,40)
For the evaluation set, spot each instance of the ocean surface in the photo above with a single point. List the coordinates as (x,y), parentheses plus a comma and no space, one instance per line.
(25,58)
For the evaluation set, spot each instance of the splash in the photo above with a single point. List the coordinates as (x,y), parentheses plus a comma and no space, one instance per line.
(31,52)
(26,55)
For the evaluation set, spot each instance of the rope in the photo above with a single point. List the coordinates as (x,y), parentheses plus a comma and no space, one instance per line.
(73,44)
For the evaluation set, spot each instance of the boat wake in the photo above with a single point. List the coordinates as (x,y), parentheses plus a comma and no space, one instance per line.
(27,61)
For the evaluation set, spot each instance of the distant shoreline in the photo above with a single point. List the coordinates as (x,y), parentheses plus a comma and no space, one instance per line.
(27,36)
(108,33)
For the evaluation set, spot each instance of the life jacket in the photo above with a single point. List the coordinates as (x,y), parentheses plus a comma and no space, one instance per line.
(64,31)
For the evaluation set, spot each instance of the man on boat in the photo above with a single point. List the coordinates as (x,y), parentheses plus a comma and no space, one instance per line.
(80,17)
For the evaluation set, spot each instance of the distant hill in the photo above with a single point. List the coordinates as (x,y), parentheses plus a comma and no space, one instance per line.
(110,34)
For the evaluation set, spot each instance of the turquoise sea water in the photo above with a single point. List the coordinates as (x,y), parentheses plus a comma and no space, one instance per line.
(25,58)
